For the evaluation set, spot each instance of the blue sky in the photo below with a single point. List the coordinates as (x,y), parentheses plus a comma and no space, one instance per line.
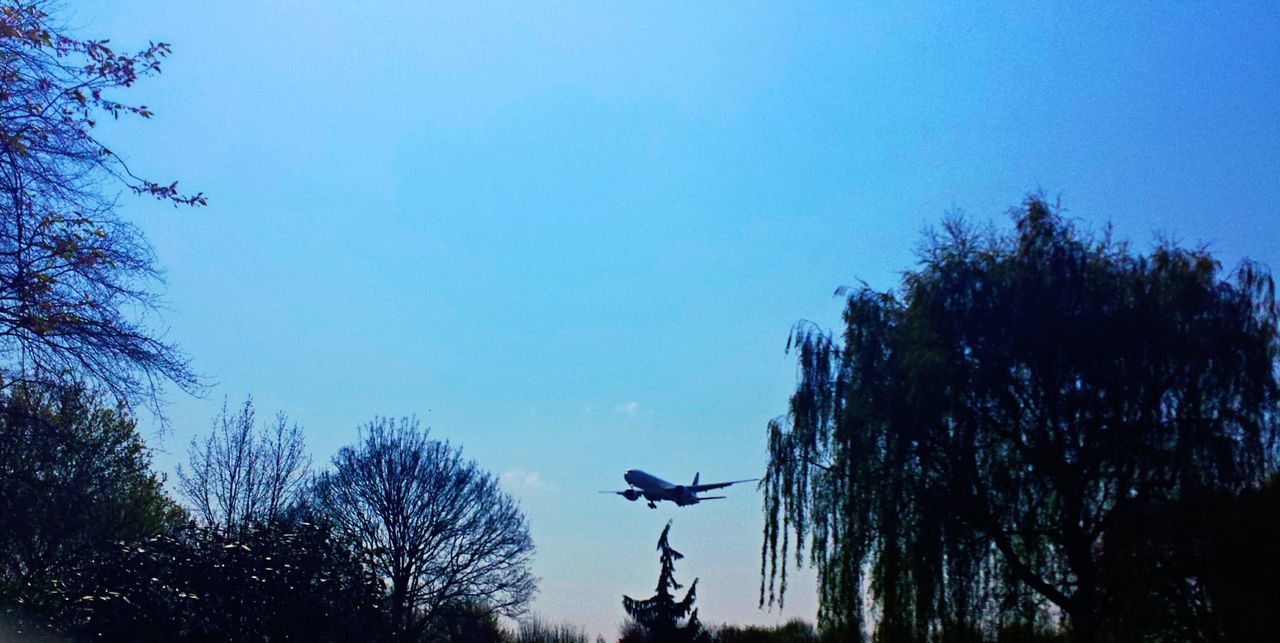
(574,237)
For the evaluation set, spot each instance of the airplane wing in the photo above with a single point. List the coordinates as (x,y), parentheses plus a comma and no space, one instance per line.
(712,498)
(620,493)
(699,488)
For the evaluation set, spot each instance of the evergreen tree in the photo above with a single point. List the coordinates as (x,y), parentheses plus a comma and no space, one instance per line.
(659,616)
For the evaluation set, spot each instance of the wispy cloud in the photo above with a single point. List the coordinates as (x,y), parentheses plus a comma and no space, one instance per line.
(629,409)
(521,479)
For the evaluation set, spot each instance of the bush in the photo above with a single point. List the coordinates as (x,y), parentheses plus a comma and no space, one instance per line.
(535,631)
(277,583)
(794,631)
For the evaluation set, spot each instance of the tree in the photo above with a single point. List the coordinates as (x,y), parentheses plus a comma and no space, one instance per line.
(436,527)
(75,478)
(239,475)
(965,452)
(659,617)
(73,274)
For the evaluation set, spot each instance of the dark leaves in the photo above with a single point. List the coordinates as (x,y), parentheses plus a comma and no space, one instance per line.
(974,437)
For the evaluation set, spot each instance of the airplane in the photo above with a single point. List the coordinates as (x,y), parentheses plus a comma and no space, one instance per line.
(656,489)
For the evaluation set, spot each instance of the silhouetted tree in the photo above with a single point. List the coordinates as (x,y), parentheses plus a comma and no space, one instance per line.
(466,622)
(243,474)
(73,274)
(661,618)
(74,479)
(435,527)
(794,631)
(976,434)
(533,630)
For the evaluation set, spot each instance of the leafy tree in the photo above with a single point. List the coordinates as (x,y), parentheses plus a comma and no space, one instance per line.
(75,478)
(436,528)
(968,450)
(243,474)
(659,617)
(72,272)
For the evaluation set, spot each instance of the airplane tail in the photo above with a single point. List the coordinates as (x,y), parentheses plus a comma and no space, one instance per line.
(695,479)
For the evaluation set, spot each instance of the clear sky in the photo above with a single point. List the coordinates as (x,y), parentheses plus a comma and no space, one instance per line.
(573,237)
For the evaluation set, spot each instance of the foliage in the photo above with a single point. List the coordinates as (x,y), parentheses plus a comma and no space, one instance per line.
(283,582)
(92,547)
(73,274)
(465,622)
(74,477)
(658,618)
(436,528)
(1205,568)
(963,452)
(472,622)
(239,477)
(794,631)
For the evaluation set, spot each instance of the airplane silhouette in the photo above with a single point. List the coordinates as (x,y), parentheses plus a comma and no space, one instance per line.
(656,489)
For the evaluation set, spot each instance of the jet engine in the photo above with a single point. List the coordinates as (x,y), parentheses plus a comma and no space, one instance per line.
(631,494)
(678,490)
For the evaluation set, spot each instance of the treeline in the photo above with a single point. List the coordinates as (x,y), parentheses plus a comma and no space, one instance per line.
(400,539)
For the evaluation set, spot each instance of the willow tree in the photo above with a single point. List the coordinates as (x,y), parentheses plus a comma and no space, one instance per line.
(957,461)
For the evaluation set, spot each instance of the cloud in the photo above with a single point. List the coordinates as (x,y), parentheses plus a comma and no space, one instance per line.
(629,409)
(521,479)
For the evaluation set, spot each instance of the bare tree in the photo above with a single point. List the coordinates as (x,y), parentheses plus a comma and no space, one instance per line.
(284,464)
(436,527)
(74,276)
(239,475)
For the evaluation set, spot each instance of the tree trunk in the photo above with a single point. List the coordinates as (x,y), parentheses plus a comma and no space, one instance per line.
(1084,616)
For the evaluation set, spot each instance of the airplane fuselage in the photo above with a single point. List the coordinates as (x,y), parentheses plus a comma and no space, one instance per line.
(655,489)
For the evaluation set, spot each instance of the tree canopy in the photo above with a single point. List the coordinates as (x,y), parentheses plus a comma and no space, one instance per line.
(963,456)
(435,526)
(74,477)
